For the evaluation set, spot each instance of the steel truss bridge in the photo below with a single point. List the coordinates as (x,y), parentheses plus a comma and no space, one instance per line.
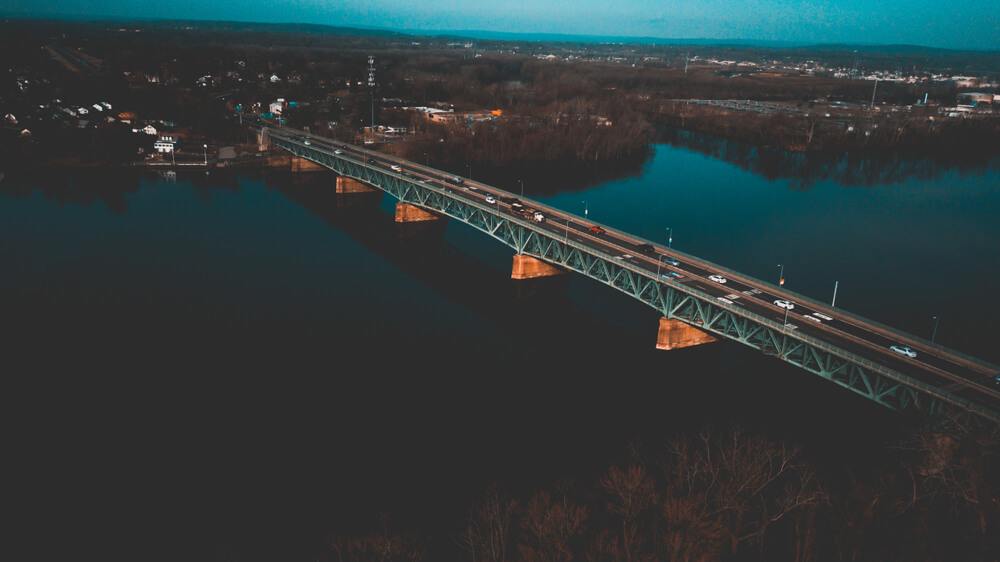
(951,382)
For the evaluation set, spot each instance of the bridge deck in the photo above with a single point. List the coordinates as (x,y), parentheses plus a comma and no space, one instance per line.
(812,335)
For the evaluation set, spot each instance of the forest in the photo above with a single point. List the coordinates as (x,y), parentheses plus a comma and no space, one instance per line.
(735,495)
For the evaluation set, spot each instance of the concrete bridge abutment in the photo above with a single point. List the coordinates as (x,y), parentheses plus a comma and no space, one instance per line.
(674,334)
(406,212)
(528,267)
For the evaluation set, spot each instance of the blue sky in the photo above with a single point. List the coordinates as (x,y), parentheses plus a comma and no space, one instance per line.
(955,24)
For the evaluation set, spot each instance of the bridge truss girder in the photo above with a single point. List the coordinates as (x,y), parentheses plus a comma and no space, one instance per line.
(670,298)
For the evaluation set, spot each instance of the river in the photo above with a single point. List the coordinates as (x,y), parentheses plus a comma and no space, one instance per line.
(251,362)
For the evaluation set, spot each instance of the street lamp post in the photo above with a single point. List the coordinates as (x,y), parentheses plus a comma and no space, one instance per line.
(468,165)
(522,187)
(427,160)
(835,285)
(205,146)
(934,330)
(781,275)
(659,264)
(670,237)
(586,209)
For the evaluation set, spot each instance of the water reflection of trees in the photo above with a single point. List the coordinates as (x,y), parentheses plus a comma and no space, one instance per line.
(807,169)
(111,188)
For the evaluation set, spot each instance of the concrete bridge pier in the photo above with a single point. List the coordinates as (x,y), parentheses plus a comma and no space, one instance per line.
(351,185)
(528,267)
(406,212)
(300,164)
(674,334)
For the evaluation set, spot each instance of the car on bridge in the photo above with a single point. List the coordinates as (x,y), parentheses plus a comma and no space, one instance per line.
(670,261)
(338,151)
(904,350)
(490,199)
(671,275)
(396,168)
(787,305)
(456,180)
(538,216)
(597,230)
(645,248)
(718,278)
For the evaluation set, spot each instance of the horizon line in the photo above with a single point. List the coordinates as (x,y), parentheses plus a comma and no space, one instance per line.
(460,33)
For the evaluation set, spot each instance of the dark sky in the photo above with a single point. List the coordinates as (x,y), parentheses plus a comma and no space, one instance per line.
(955,24)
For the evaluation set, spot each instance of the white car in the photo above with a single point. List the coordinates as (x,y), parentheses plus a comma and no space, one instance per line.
(781,303)
(717,278)
(904,350)
(624,257)
(724,299)
(539,217)
(490,199)
(306,142)
(338,151)
(396,168)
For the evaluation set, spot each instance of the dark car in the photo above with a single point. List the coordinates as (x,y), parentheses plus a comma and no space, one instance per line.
(456,180)
(371,160)
(645,248)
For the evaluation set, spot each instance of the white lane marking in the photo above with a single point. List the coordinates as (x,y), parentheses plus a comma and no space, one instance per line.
(816,320)
(822,316)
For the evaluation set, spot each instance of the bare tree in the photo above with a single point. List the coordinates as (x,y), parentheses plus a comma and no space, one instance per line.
(487,536)
(631,492)
(550,527)
(734,486)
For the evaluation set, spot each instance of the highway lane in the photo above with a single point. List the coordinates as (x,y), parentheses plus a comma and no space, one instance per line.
(850,332)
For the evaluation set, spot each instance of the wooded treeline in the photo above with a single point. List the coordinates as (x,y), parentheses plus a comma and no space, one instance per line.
(737,495)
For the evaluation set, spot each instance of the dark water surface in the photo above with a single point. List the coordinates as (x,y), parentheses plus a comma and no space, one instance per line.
(234,367)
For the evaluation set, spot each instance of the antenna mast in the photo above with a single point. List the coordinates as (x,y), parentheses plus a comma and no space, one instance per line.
(371,87)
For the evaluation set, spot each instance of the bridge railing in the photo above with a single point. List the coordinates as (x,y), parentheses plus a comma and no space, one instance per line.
(736,275)
(599,253)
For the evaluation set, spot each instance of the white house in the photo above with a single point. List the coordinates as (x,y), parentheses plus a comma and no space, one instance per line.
(164,145)
(149,130)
